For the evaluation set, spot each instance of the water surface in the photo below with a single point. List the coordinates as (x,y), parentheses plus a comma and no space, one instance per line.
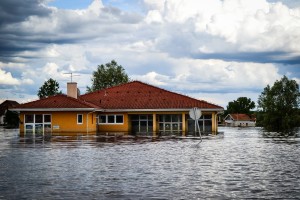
(243,164)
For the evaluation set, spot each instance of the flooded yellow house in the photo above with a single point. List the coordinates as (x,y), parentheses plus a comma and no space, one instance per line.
(131,108)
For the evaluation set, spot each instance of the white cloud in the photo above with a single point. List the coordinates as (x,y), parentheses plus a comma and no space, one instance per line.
(197,47)
(7,79)
(153,16)
(246,25)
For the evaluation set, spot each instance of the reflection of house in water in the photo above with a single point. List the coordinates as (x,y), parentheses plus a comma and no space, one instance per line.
(131,108)
(240,120)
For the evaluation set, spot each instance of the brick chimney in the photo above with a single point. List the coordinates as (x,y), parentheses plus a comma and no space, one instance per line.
(72,89)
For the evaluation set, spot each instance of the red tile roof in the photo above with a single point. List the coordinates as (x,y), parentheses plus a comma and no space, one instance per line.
(133,95)
(242,117)
(138,95)
(57,101)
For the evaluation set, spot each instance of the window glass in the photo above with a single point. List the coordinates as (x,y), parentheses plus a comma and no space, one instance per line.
(175,118)
(175,127)
(38,118)
(110,119)
(161,126)
(143,126)
(102,119)
(38,129)
(134,117)
(167,118)
(47,128)
(119,118)
(79,119)
(207,116)
(150,117)
(47,118)
(28,118)
(29,127)
(167,127)
(143,117)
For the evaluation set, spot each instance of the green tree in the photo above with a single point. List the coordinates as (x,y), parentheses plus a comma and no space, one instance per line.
(241,105)
(11,119)
(49,88)
(108,75)
(279,105)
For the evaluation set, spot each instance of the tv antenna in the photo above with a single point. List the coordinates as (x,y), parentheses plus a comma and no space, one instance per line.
(71,74)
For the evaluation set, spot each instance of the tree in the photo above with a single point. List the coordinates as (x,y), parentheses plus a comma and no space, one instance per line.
(108,75)
(11,119)
(49,88)
(241,105)
(279,105)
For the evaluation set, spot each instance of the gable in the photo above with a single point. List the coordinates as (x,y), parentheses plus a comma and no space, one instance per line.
(228,117)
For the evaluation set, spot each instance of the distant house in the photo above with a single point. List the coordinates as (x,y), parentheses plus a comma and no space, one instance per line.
(130,108)
(4,106)
(241,120)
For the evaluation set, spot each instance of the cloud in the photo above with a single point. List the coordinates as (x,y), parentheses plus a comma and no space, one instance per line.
(195,47)
(227,27)
(33,32)
(7,79)
(214,76)
(13,11)
(216,30)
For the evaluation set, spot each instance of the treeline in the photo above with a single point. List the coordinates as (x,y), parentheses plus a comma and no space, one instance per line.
(277,107)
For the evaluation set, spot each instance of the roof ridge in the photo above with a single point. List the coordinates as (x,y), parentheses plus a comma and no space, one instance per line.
(152,86)
(183,95)
(112,87)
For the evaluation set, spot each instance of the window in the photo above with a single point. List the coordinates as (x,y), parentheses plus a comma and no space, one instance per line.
(205,123)
(119,119)
(141,123)
(102,119)
(29,118)
(37,124)
(79,119)
(47,118)
(38,118)
(170,123)
(111,119)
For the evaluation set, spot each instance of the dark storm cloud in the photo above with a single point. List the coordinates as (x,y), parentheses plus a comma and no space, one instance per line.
(12,11)
(30,26)
(257,57)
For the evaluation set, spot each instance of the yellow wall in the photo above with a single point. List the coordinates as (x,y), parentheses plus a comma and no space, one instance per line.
(126,126)
(66,122)
(63,122)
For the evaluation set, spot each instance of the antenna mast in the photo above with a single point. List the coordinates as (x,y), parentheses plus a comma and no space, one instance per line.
(71,74)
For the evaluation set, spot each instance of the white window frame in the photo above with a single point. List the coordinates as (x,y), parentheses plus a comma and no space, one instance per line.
(115,119)
(81,119)
(33,124)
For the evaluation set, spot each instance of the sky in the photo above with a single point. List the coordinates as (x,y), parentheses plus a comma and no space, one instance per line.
(215,50)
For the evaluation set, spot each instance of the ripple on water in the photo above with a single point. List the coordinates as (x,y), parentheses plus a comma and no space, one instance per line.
(243,164)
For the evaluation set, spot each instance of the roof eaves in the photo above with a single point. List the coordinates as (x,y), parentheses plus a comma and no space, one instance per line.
(160,110)
(51,109)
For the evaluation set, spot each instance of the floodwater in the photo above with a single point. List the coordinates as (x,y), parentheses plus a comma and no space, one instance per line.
(243,164)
